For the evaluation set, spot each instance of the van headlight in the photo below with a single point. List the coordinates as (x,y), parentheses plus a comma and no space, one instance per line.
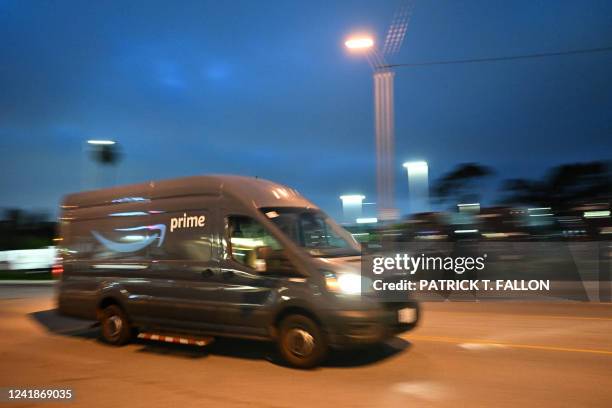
(345,283)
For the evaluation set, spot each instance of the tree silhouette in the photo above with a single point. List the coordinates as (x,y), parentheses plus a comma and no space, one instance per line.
(563,186)
(461,184)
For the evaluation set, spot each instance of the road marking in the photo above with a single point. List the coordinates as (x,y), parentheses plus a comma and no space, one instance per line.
(421,389)
(511,345)
(609,319)
(571,317)
(480,346)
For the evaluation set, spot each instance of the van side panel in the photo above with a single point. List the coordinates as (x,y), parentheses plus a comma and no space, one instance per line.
(102,245)
(156,258)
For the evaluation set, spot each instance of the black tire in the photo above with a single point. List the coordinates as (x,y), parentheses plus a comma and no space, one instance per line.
(116,329)
(301,342)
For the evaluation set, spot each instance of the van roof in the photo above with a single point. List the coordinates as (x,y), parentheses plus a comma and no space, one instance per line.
(250,190)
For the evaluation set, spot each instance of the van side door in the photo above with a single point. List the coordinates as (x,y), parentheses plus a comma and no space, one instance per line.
(247,295)
(185,265)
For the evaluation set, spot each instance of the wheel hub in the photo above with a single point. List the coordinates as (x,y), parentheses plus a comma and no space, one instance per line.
(114,325)
(300,342)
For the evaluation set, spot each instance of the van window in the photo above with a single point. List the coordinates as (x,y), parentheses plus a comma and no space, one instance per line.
(246,235)
(314,231)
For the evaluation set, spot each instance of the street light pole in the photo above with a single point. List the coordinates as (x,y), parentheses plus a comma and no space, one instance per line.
(104,152)
(385,142)
(384,125)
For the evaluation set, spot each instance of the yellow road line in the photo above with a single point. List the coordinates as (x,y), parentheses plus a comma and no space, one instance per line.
(511,345)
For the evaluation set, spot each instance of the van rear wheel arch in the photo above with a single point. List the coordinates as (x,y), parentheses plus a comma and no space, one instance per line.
(106,302)
(109,300)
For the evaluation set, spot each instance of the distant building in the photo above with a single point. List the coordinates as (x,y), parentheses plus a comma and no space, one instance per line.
(418,187)
(352,208)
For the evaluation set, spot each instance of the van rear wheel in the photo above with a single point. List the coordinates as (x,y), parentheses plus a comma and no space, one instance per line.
(301,342)
(116,328)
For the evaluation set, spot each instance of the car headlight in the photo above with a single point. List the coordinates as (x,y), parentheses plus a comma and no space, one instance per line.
(346,283)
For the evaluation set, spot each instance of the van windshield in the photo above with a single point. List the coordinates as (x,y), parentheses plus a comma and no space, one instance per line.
(314,231)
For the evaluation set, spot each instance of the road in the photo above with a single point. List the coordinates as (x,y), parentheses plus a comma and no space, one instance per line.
(464,354)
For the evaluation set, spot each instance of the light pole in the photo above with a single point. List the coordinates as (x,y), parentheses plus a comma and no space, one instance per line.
(384,124)
(104,152)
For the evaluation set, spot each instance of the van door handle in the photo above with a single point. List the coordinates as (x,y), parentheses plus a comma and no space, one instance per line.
(207,273)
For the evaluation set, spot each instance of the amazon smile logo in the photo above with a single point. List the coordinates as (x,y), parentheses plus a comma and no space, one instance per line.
(141,240)
(138,242)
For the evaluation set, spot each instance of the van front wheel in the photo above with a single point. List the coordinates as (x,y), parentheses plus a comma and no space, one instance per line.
(301,342)
(115,326)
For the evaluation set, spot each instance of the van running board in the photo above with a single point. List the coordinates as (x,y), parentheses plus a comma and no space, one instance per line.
(178,339)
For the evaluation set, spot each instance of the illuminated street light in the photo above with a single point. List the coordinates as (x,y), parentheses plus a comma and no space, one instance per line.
(352,199)
(384,123)
(416,167)
(367,220)
(102,170)
(359,43)
(351,207)
(418,186)
(101,142)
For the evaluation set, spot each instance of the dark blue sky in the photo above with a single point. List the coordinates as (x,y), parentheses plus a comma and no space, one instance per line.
(265,88)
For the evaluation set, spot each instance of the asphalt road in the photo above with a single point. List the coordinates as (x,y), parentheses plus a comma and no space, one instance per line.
(464,354)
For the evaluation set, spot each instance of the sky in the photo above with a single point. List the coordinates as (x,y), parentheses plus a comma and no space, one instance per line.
(266,88)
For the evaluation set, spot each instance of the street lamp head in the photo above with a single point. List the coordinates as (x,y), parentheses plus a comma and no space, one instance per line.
(101,142)
(416,166)
(359,43)
(352,198)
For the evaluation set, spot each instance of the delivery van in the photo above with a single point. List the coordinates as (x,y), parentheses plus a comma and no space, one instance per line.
(227,256)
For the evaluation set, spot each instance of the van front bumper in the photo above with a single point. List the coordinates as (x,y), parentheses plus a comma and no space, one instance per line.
(349,328)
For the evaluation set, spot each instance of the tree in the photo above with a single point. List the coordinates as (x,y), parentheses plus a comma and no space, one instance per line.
(461,184)
(563,186)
